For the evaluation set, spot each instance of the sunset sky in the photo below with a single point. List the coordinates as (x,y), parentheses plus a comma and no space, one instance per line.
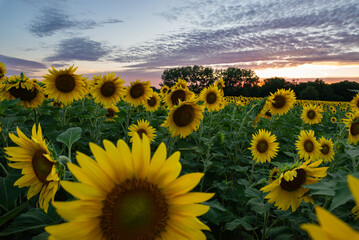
(301,39)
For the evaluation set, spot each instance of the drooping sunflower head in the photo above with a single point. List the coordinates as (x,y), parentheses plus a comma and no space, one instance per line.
(64,85)
(184,118)
(326,149)
(288,190)
(352,123)
(142,128)
(212,98)
(21,87)
(281,101)
(312,114)
(176,95)
(307,145)
(264,146)
(107,89)
(37,164)
(127,194)
(354,104)
(138,92)
(153,103)
(2,70)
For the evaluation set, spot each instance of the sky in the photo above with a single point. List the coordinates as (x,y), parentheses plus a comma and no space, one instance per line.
(138,39)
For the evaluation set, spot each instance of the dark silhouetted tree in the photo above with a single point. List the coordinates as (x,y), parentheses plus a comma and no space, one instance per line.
(309,93)
(237,80)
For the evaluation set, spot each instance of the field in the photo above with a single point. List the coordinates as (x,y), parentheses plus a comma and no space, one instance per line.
(220,147)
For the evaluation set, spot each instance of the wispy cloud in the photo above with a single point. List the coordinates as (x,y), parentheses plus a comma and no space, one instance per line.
(15,66)
(52,20)
(78,48)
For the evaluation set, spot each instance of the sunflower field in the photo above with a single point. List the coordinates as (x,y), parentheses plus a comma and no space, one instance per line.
(95,159)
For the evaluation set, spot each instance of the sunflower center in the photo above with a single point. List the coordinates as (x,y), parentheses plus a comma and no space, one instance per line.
(178,95)
(23,93)
(152,101)
(183,116)
(65,83)
(164,90)
(279,101)
(41,165)
(141,131)
(296,183)
(211,98)
(311,114)
(325,149)
(134,209)
(108,89)
(273,175)
(110,113)
(137,90)
(308,146)
(354,129)
(262,146)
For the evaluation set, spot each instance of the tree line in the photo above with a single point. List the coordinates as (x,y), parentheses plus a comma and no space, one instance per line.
(246,83)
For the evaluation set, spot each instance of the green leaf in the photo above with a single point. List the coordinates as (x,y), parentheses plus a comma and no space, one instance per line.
(258,206)
(353,153)
(13,213)
(342,195)
(322,188)
(70,136)
(8,191)
(244,222)
(41,236)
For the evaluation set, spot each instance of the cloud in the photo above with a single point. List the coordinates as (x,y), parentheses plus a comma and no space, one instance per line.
(52,20)
(253,34)
(78,48)
(14,66)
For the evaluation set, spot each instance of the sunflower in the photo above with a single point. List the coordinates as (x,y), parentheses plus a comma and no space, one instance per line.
(184,118)
(38,166)
(220,84)
(2,70)
(264,146)
(64,86)
(177,94)
(333,119)
(273,174)
(127,195)
(111,112)
(312,114)
(352,124)
(281,101)
(331,227)
(153,103)
(307,145)
(354,104)
(28,91)
(326,149)
(288,190)
(212,98)
(181,83)
(142,128)
(164,91)
(138,92)
(107,89)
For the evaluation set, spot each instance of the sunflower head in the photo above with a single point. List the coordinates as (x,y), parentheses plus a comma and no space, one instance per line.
(333,119)
(354,104)
(220,84)
(64,85)
(281,101)
(181,83)
(273,174)
(107,89)
(326,149)
(307,145)
(352,123)
(127,194)
(312,114)
(264,146)
(38,166)
(2,70)
(176,95)
(142,128)
(184,118)
(212,98)
(153,103)
(138,92)
(164,91)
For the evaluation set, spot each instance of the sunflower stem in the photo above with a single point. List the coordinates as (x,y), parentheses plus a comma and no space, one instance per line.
(64,111)
(265,225)
(35,116)
(3,167)
(252,173)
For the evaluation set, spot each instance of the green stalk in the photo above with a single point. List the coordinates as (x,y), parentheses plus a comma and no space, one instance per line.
(265,225)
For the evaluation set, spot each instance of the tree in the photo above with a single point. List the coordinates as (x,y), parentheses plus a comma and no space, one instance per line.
(309,93)
(236,80)
(272,84)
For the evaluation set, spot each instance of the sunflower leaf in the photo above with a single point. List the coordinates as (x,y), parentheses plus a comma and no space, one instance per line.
(70,136)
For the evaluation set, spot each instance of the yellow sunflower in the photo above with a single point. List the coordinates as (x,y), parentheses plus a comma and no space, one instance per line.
(220,84)
(307,145)
(212,98)
(312,114)
(331,227)
(153,103)
(111,112)
(2,70)
(107,89)
(326,149)
(281,101)
(177,94)
(64,85)
(264,146)
(288,190)
(164,91)
(273,174)
(184,118)
(39,168)
(138,92)
(181,83)
(28,91)
(333,119)
(142,128)
(352,123)
(126,194)
(354,104)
